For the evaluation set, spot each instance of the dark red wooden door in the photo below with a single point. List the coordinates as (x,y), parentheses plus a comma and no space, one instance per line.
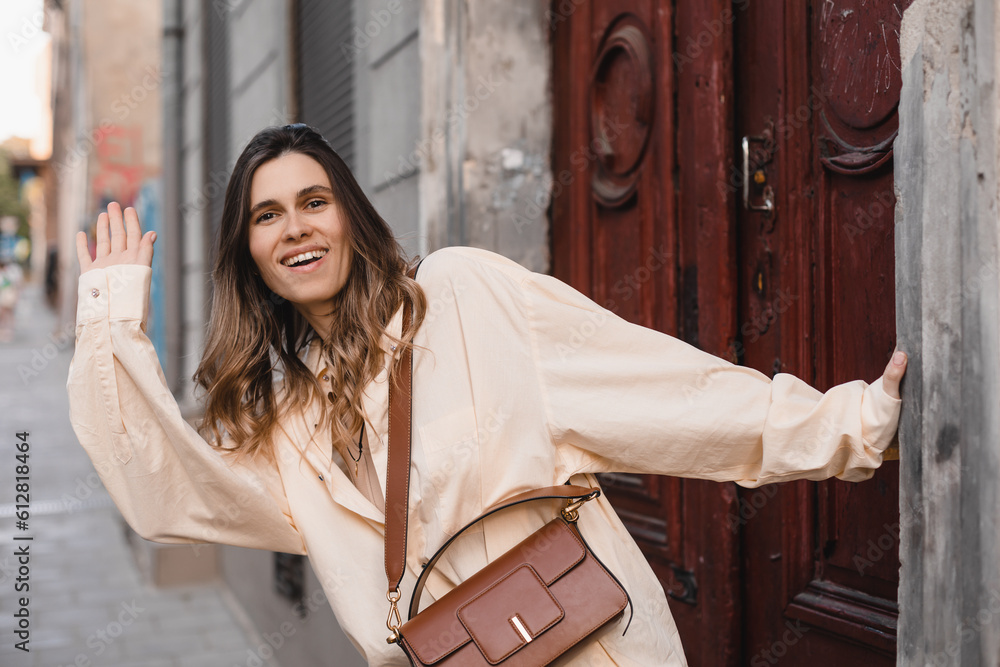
(652,102)
(623,115)
(817,85)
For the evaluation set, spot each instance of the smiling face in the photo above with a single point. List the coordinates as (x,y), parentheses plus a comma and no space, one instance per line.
(297,236)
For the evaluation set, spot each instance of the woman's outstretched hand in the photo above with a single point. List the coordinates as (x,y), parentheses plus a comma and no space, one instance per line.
(117,242)
(894,373)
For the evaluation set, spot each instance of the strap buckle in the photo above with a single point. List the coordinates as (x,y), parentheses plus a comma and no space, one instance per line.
(394,620)
(570,513)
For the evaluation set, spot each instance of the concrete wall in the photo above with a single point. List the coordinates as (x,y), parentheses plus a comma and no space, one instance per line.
(188,246)
(68,169)
(486,128)
(386,113)
(948,319)
(300,635)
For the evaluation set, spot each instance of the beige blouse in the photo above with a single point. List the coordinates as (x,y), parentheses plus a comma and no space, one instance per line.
(519,382)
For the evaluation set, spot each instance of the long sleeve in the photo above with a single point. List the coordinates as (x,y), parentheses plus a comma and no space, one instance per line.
(636,400)
(167,481)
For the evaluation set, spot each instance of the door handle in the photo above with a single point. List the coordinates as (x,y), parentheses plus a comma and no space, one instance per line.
(768,205)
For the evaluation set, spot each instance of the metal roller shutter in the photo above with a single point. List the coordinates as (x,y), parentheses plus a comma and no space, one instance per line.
(325,75)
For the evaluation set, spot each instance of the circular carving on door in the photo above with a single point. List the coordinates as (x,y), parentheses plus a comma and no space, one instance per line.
(621,109)
(860,82)
(859,59)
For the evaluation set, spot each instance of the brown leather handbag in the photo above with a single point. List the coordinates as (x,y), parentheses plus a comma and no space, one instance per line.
(526,608)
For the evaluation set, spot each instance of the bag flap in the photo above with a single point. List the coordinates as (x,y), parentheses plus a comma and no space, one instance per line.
(510,613)
(437,631)
(552,550)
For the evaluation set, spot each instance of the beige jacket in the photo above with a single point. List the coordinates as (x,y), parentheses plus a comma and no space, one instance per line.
(523,383)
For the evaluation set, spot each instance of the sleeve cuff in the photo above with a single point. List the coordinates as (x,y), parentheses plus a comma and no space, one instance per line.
(117,292)
(879,415)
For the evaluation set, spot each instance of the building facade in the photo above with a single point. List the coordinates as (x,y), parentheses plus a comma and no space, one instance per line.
(106,141)
(385,84)
(759,181)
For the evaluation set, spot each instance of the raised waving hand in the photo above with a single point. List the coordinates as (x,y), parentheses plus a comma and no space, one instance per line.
(119,240)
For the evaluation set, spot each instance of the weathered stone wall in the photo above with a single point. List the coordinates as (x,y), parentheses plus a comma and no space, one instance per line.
(486,127)
(949,321)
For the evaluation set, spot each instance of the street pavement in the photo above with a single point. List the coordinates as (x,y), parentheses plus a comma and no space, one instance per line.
(87,605)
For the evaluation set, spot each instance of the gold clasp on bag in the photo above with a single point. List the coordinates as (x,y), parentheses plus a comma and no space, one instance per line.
(570,511)
(393,621)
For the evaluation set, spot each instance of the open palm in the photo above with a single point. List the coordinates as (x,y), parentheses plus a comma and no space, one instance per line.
(119,241)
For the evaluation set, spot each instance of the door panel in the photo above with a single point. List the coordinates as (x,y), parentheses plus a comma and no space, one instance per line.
(816,299)
(652,100)
(775,303)
(615,237)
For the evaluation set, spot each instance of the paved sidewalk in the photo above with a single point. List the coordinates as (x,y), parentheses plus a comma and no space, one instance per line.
(87,604)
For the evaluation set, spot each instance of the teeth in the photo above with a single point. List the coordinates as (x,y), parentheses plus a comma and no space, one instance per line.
(303,256)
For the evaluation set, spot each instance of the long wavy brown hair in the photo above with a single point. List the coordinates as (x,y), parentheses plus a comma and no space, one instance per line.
(252,330)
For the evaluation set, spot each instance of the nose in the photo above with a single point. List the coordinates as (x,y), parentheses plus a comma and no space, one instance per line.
(295,226)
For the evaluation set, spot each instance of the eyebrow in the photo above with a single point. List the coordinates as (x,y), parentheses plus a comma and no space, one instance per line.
(304,192)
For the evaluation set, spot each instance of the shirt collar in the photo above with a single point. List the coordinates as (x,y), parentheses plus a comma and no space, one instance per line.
(376,401)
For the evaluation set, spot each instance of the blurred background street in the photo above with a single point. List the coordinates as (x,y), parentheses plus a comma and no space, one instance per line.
(140,103)
(89,602)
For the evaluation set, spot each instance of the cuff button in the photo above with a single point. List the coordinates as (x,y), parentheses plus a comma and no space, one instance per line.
(95,292)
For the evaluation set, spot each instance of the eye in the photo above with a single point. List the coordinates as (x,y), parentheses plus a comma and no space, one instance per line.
(264,217)
(316,203)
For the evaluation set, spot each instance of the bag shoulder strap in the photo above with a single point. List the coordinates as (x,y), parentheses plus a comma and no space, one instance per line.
(397,484)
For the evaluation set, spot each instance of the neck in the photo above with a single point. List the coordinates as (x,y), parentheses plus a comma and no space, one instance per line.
(321,322)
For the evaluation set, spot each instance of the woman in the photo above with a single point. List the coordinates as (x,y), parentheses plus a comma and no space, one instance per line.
(519,382)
